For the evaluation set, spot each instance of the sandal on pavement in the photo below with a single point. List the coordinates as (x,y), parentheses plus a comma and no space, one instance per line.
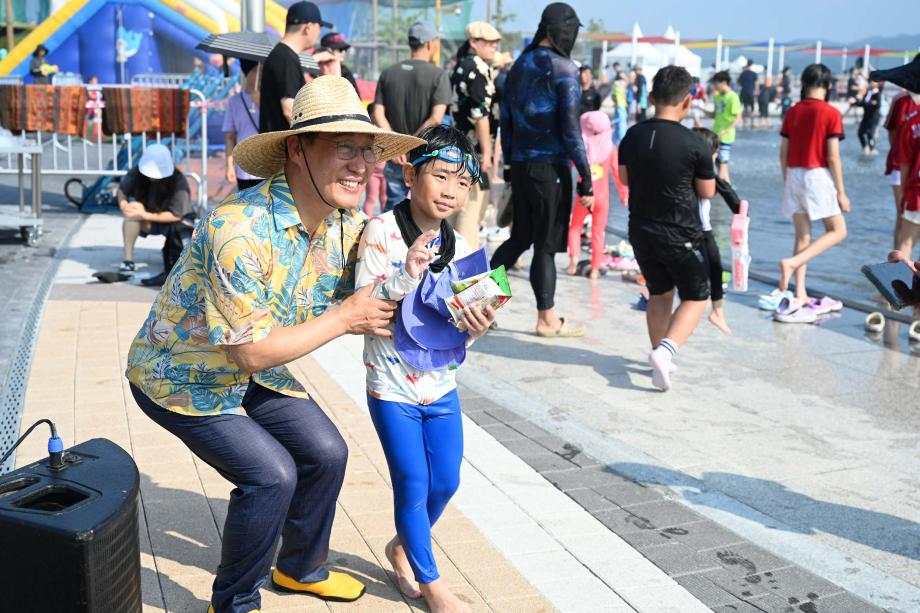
(802,315)
(825,305)
(769,302)
(338,587)
(913,331)
(565,330)
(875,322)
(788,305)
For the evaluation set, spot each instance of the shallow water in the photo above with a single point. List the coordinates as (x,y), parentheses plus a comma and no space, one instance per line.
(756,177)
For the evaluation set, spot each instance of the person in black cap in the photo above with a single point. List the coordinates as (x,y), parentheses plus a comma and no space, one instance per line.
(39,68)
(282,75)
(331,57)
(541,138)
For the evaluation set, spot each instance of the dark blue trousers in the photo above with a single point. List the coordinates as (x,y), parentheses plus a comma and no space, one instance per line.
(287,461)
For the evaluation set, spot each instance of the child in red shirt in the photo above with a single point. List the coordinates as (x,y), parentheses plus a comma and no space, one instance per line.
(602,155)
(903,109)
(813,174)
(909,162)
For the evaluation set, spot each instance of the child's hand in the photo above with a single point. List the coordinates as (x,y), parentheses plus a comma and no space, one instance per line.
(420,256)
(844,202)
(477,321)
(897,256)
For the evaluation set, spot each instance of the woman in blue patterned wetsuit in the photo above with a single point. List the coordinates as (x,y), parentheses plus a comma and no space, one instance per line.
(541,137)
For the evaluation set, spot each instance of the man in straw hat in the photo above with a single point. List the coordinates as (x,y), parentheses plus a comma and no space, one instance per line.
(252,292)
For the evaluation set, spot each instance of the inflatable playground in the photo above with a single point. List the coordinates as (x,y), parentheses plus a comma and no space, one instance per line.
(115,41)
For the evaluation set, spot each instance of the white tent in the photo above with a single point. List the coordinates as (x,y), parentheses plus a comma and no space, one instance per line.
(677,54)
(642,54)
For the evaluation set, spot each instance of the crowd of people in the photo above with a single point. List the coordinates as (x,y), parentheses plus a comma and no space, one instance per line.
(289,263)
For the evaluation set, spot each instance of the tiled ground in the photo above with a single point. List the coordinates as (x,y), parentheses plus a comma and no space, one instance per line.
(77,381)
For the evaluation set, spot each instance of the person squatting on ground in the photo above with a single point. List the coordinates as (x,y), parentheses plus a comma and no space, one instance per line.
(240,122)
(154,198)
(541,138)
(710,248)
(726,117)
(904,108)
(473,88)
(668,169)
(417,411)
(411,95)
(813,173)
(250,294)
(602,155)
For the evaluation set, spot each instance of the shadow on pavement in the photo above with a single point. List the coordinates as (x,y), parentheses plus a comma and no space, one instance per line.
(507,343)
(792,510)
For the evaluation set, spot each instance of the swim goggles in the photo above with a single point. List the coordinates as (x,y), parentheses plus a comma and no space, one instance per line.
(452,155)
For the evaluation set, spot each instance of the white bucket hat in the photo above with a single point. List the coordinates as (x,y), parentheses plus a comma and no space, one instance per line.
(326,104)
(156,162)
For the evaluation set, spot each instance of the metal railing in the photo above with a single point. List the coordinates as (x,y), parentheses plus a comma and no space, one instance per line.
(98,156)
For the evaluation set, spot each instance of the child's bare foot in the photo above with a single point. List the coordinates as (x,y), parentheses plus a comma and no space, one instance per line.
(442,600)
(594,274)
(785,273)
(571,268)
(400,563)
(717,318)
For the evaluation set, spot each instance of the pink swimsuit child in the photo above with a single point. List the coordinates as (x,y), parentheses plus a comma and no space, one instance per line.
(602,155)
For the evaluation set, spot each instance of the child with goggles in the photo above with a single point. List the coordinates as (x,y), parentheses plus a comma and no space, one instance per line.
(414,406)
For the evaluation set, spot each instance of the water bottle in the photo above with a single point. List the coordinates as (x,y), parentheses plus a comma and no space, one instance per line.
(741,257)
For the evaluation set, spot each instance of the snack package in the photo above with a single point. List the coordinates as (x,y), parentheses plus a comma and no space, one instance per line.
(491,289)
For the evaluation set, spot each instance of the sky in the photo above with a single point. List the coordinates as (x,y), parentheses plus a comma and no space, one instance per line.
(839,20)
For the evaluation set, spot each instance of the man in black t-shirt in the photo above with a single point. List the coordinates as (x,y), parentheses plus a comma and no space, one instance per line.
(282,74)
(668,169)
(154,198)
(590,98)
(411,95)
(747,83)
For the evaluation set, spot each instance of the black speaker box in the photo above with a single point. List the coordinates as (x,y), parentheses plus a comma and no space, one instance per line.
(69,537)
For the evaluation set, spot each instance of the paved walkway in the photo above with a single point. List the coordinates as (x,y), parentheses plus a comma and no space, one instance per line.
(511,541)
(778,475)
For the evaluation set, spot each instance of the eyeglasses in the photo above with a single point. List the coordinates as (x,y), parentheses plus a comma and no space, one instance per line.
(346,151)
(452,155)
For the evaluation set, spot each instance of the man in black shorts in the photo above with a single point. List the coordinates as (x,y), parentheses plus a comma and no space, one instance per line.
(668,169)
(747,82)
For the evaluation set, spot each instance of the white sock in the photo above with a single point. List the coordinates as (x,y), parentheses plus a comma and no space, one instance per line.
(660,361)
(670,345)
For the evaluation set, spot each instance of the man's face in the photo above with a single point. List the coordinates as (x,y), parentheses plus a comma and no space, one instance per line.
(311,34)
(722,87)
(586,77)
(438,191)
(340,182)
(484,48)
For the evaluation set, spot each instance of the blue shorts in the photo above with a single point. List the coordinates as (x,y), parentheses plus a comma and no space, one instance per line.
(725,152)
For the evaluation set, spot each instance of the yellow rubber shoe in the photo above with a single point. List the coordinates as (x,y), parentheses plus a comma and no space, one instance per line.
(339,587)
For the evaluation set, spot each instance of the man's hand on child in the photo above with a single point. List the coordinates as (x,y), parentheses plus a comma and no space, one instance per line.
(587,202)
(420,255)
(477,321)
(361,313)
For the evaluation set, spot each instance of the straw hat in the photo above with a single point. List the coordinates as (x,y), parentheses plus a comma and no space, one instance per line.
(326,104)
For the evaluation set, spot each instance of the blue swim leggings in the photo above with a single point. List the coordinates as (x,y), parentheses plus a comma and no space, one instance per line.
(423,445)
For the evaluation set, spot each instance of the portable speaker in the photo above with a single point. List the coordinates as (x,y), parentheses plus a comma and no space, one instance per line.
(69,537)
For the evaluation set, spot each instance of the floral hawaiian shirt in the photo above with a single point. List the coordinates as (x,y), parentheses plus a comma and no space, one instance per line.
(250,267)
